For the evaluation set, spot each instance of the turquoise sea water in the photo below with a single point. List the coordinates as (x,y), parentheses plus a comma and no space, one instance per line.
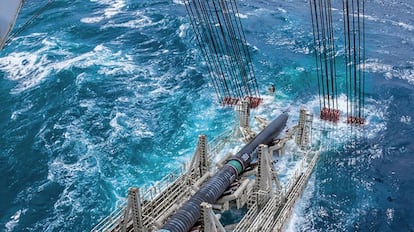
(97,96)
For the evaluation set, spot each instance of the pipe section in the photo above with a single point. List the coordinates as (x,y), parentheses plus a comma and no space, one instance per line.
(185,218)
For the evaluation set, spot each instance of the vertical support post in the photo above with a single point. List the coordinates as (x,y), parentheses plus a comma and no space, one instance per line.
(244,113)
(262,122)
(242,128)
(200,163)
(265,177)
(133,207)
(304,129)
(204,164)
(209,219)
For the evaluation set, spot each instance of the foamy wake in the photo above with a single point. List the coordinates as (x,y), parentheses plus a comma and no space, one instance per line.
(139,21)
(179,2)
(338,136)
(110,7)
(403,25)
(390,72)
(108,14)
(299,221)
(82,163)
(287,164)
(29,70)
(14,220)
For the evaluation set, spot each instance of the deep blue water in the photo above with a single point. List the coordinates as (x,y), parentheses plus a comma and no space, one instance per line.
(97,96)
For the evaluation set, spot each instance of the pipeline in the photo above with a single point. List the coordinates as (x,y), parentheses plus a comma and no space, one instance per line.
(185,218)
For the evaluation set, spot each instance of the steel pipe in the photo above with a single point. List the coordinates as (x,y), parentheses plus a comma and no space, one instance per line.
(185,218)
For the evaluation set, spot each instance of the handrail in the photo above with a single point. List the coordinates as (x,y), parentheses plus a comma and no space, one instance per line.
(152,192)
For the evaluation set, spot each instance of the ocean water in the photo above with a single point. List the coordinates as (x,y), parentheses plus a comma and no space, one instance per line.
(97,96)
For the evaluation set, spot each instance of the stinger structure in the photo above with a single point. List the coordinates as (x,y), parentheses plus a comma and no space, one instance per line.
(222,41)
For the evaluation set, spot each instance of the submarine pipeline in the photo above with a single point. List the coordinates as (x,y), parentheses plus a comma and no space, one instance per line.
(189,213)
(247,180)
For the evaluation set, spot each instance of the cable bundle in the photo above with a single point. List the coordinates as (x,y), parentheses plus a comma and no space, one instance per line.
(354,33)
(325,58)
(324,46)
(220,35)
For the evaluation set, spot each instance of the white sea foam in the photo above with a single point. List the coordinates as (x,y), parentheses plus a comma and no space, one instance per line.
(179,2)
(122,125)
(91,20)
(110,9)
(115,8)
(114,122)
(390,72)
(71,170)
(282,10)
(242,16)
(405,119)
(299,221)
(109,62)
(403,25)
(17,113)
(183,29)
(375,122)
(87,103)
(14,220)
(373,65)
(80,157)
(30,69)
(138,21)
(390,215)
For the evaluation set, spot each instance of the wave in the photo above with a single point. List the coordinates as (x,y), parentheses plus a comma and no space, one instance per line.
(139,21)
(403,73)
(401,24)
(14,220)
(111,8)
(29,70)
(305,216)
(135,112)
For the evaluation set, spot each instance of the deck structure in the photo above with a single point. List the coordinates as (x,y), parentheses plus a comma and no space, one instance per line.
(257,189)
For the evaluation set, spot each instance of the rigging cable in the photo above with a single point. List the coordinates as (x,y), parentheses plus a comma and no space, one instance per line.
(359,62)
(214,48)
(228,44)
(350,99)
(319,55)
(328,55)
(323,48)
(199,30)
(334,82)
(346,57)
(316,54)
(28,22)
(330,51)
(221,38)
(355,59)
(224,50)
(245,48)
(198,37)
(237,51)
(363,57)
